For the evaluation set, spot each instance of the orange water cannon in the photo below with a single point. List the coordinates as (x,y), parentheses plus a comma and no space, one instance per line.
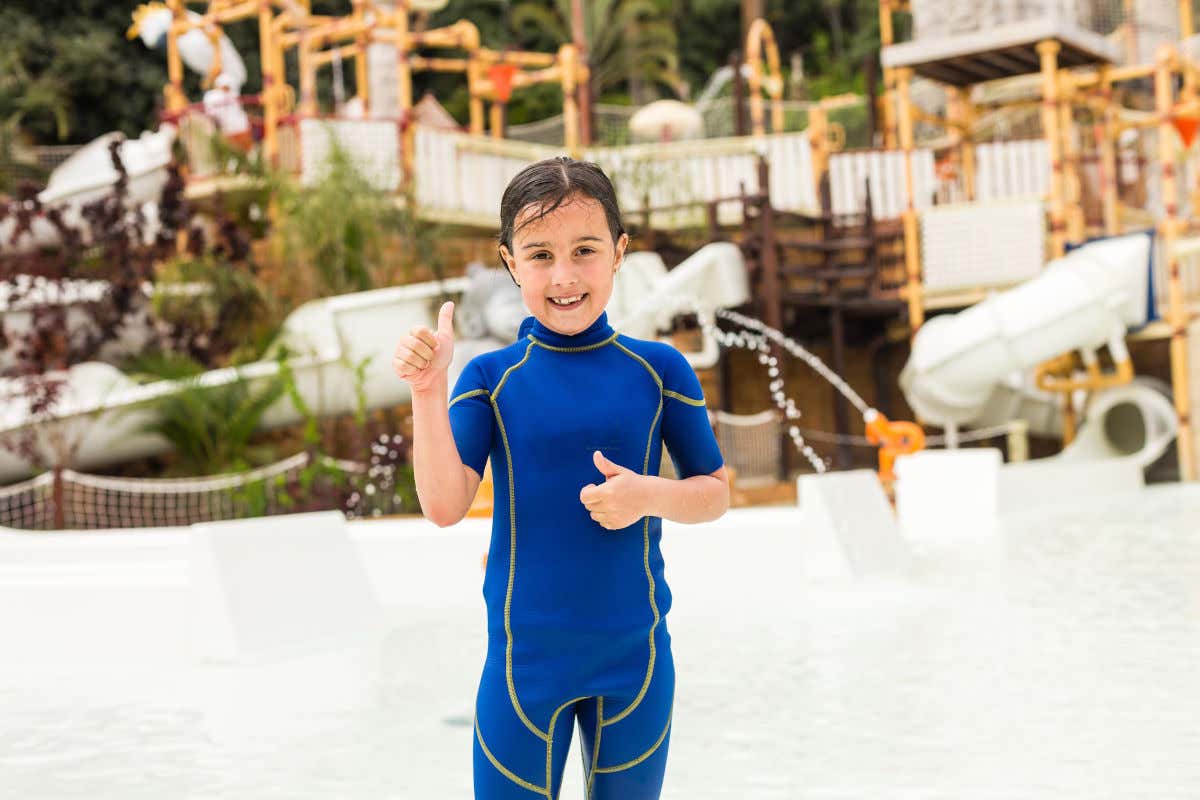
(894,439)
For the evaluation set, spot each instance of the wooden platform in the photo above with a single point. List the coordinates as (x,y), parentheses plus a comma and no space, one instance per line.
(1000,52)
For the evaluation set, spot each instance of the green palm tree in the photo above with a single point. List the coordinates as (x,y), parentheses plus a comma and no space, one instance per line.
(627,40)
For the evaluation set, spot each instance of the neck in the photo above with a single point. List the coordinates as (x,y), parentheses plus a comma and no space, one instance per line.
(593,334)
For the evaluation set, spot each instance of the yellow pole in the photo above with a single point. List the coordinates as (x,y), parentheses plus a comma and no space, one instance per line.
(1177,317)
(1187,24)
(569,62)
(214,41)
(474,67)
(1072,185)
(176,99)
(308,73)
(754,59)
(496,120)
(955,100)
(887,37)
(1048,50)
(818,142)
(912,244)
(362,81)
(970,116)
(1129,8)
(270,84)
(1108,157)
(404,88)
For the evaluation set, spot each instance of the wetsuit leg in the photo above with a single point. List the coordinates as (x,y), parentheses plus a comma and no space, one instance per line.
(625,754)
(511,761)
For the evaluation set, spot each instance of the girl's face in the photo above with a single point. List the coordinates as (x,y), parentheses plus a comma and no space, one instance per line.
(565,263)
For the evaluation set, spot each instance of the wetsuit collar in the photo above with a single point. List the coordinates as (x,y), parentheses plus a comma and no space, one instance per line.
(595,333)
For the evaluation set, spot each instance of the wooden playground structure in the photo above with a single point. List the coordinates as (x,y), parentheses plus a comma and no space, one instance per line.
(1093,86)
(847,233)
(319,41)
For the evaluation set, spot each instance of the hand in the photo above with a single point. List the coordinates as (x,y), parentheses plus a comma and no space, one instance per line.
(423,356)
(621,500)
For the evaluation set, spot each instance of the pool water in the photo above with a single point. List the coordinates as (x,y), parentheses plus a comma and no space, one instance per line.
(1054,656)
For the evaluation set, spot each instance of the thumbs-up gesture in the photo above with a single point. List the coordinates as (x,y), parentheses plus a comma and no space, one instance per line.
(618,502)
(423,356)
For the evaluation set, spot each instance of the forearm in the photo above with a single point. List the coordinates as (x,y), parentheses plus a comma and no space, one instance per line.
(700,498)
(437,467)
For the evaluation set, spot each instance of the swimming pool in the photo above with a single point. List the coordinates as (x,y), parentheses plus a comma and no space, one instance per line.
(1057,658)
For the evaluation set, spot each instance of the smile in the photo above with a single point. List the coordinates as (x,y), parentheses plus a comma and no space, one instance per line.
(568,302)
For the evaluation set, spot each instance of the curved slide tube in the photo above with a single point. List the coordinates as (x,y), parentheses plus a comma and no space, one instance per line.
(966,368)
(1082,301)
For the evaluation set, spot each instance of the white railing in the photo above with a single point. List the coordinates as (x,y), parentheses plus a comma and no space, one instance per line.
(661,175)
(459,174)
(849,172)
(1012,169)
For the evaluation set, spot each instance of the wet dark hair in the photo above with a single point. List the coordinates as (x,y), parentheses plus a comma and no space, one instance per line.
(551,183)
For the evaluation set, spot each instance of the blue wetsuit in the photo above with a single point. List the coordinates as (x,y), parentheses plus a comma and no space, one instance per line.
(575,612)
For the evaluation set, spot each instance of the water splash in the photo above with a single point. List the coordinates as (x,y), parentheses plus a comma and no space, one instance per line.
(758,336)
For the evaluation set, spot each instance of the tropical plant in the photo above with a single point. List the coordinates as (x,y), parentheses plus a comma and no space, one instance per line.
(333,235)
(210,428)
(628,41)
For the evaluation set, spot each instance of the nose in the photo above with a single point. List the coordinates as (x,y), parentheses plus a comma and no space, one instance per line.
(563,273)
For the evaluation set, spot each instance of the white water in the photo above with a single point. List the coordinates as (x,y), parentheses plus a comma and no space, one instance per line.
(1062,660)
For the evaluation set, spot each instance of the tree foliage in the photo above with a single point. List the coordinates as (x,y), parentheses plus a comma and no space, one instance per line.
(68,74)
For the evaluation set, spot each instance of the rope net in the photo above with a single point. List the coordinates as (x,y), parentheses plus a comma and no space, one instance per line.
(294,484)
(751,443)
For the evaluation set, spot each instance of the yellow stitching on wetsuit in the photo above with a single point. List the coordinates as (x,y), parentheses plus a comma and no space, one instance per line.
(642,757)
(595,746)
(645,546)
(465,395)
(524,784)
(550,746)
(509,371)
(512,572)
(683,398)
(512,551)
(582,349)
(642,361)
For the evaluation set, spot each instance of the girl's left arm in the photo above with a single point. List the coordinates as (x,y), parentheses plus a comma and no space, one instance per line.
(700,498)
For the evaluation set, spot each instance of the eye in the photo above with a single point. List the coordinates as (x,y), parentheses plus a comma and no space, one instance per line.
(585,251)
(541,255)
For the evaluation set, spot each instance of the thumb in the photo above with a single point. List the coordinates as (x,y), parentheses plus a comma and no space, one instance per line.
(606,467)
(445,325)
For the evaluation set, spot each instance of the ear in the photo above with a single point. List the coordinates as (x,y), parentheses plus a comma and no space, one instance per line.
(622,243)
(509,263)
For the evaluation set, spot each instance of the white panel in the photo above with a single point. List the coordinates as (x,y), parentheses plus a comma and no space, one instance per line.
(953,492)
(847,526)
(980,245)
(277,584)
(372,145)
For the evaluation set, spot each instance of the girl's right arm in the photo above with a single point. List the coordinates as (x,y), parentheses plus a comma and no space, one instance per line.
(445,486)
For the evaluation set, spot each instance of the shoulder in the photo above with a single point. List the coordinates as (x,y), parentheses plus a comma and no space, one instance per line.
(667,362)
(488,367)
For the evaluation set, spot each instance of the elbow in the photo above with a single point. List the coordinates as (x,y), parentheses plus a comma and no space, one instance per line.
(443,517)
(723,498)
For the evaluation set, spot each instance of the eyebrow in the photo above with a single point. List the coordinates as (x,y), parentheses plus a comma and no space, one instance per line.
(587,238)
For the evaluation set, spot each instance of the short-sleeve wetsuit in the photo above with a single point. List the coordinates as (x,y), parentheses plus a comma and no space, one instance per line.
(575,612)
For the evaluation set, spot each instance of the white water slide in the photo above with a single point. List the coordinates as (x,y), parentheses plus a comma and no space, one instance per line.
(89,173)
(971,368)
(105,412)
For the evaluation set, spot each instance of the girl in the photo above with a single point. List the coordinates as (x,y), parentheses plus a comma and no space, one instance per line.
(574,417)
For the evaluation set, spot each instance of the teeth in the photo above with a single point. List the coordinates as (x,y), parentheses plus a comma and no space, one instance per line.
(566,301)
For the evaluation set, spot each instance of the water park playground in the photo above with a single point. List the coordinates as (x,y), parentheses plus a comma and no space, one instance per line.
(951,329)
